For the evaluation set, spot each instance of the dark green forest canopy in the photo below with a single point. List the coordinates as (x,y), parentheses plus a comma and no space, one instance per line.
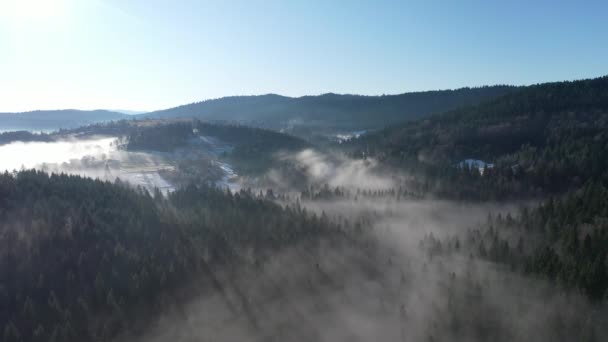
(168,135)
(563,240)
(83,259)
(528,116)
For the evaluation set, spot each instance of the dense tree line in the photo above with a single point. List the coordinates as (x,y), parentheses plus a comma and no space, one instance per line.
(160,137)
(82,259)
(25,136)
(325,192)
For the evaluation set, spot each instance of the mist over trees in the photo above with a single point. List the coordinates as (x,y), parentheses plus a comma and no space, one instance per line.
(87,260)
(480,223)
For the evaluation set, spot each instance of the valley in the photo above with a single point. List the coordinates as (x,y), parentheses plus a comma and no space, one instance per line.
(472,225)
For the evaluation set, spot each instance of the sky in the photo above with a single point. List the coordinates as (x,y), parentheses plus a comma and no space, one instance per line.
(151,54)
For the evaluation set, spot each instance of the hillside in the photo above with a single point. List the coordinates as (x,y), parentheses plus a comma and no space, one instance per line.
(45,120)
(334,111)
(250,150)
(304,116)
(85,260)
(547,142)
(547,137)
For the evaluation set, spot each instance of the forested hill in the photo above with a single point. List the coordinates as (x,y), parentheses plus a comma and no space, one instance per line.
(252,150)
(86,260)
(548,141)
(332,110)
(55,119)
(553,135)
(170,134)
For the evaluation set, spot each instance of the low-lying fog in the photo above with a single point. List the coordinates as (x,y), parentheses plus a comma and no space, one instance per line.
(96,158)
(386,287)
(102,158)
(18,154)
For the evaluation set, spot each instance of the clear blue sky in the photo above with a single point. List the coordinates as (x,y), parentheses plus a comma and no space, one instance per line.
(147,54)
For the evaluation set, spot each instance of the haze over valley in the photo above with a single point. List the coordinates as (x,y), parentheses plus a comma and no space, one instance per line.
(469,204)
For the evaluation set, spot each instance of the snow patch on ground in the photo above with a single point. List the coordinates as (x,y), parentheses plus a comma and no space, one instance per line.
(96,158)
(103,159)
(230,177)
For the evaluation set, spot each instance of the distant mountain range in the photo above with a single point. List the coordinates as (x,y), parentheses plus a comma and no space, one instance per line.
(333,111)
(45,120)
(328,112)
